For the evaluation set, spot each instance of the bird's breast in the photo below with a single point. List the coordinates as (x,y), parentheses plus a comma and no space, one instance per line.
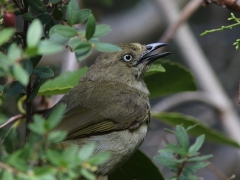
(121,145)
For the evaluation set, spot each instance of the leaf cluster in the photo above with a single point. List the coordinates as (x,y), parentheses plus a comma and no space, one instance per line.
(50,27)
(182,158)
(41,158)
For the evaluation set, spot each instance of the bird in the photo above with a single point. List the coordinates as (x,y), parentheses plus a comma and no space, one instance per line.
(110,106)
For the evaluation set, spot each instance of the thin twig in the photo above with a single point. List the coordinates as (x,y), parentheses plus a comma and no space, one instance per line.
(178,99)
(187,11)
(180,168)
(9,168)
(18,5)
(217,172)
(12,119)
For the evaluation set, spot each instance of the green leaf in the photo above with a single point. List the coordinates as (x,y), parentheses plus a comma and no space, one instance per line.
(14,52)
(31,52)
(73,12)
(38,125)
(47,22)
(57,38)
(27,64)
(210,134)
(16,40)
(35,88)
(53,156)
(82,54)
(86,151)
(44,173)
(7,175)
(62,83)
(4,60)
(106,47)
(139,167)
(9,140)
(87,174)
(65,31)
(47,27)
(176,79)
(37,5)
(200,158)
(34,33)
(14,89)
(34,138)
(56,136)
(35,60)
(182,137)
(70,154)
(56,115)
(27,17)
(52,30)
(57,13)
(173,178)
(166,153)
(101,30)
(5,35)
(90,27)
(47,48)
(198,165)
(170,163)
(99,158)
(20,74)
(83,15)
(18,161)
(54,1)
(25,152)
(155,68)
(197,145)
(43,72)
(82,49)
(77,43)
(44,18)
(176,149)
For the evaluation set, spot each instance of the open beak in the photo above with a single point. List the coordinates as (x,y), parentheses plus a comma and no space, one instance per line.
(148,59)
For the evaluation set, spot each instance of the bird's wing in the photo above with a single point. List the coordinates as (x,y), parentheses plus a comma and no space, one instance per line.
(100,107)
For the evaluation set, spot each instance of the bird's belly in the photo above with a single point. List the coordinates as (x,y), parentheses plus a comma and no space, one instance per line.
(121,145)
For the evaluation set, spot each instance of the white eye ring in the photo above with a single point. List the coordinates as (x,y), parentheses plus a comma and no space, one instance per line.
(127,57)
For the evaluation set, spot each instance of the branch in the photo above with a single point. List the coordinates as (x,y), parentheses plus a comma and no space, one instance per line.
(12,119)
(230,4)
(187,11)
(180,168)
(219,173)
(185,97)
(28,88)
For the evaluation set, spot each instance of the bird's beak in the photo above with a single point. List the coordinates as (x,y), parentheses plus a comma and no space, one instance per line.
(148,59)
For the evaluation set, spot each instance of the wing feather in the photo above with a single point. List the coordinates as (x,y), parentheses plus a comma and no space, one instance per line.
(91,108)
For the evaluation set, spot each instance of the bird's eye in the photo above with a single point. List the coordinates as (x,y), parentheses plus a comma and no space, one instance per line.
(127,57)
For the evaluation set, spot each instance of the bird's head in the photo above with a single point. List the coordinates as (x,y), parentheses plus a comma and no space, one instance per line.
(126,66)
